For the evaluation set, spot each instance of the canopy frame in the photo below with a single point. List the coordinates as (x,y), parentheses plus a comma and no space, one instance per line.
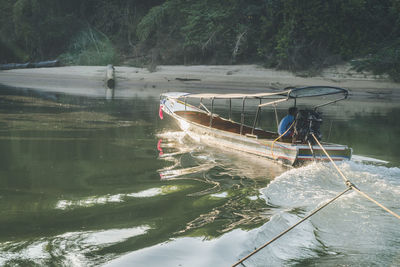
(287,94)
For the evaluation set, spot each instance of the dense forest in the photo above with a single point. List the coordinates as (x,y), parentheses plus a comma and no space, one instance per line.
(297,35)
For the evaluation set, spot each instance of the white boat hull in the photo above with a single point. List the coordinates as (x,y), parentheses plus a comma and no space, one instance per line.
(287,153)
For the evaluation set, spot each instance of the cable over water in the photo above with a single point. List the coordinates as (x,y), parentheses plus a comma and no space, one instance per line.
(349,185)
(292,227)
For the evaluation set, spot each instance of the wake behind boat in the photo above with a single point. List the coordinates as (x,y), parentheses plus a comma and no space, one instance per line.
(293,147)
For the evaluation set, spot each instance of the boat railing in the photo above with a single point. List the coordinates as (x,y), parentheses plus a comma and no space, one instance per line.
(212,111)
(330,102)
(276,97)
(242,116)
(203,106)
(267,104)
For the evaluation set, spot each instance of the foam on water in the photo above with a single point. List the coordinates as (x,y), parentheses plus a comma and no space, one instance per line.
(352,227)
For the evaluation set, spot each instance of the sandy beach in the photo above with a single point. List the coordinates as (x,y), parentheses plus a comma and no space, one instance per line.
(131,82)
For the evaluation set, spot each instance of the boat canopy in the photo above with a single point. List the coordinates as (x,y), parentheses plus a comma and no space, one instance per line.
(288,93)
(232,96)
(275,97)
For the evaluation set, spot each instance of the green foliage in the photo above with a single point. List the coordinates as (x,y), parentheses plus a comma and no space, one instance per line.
(311,34)
(152,20)
(289,34)
(23,16)
(90,47)
(8,49)
(386,61)
(210,27)
(35,29)
(31,29)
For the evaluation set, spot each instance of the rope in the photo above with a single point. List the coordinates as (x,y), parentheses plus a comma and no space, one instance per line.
(351,185)
(334,164)
(276,116)
(290,228)
(273,142)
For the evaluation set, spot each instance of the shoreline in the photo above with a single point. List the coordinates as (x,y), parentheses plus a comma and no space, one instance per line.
(132,82)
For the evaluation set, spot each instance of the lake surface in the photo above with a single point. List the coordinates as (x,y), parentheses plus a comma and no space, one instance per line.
(86,182)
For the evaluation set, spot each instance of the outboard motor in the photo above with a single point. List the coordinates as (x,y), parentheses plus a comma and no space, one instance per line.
(307,122)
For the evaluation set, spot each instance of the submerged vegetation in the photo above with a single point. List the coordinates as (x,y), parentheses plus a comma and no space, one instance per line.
(293,34)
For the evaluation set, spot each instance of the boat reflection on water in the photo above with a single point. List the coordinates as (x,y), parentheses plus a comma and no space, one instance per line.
(232,179)
(252,197)
(173,145)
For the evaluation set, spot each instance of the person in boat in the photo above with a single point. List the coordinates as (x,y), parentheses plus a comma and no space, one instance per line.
(286,122)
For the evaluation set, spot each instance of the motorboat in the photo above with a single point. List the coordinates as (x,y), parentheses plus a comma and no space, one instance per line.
(205,126)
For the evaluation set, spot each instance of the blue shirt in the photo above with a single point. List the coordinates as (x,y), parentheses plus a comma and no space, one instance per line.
(285,124)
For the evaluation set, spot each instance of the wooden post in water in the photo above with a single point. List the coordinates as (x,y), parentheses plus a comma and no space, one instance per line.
(110,81)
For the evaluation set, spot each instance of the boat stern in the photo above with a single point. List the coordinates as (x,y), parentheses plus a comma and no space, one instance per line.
(336,152)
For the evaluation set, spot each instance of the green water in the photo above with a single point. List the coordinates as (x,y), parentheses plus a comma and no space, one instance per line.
(82,180)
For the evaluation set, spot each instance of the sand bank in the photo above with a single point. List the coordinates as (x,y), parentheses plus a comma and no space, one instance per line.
(131,82)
